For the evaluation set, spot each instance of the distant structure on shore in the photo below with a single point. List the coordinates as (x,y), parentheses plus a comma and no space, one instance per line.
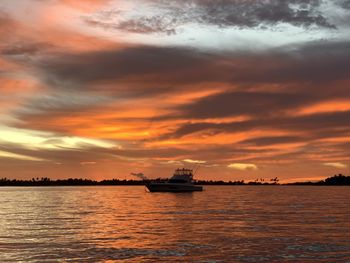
(334,180)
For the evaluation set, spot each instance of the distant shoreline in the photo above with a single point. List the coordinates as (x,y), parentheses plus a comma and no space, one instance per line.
(335,180)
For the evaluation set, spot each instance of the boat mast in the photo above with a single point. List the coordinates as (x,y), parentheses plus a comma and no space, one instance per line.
(197,167)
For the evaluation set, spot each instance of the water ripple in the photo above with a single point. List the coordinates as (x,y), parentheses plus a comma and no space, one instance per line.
(221,224)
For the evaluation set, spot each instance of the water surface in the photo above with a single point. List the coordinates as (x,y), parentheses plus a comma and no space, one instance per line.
(221,224)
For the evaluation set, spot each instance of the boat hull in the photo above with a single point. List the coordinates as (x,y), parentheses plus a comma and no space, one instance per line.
(175,188)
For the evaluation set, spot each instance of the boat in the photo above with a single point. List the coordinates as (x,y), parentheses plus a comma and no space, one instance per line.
(181,181)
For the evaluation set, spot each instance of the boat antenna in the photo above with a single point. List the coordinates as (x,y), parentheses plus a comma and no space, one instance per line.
(196,169)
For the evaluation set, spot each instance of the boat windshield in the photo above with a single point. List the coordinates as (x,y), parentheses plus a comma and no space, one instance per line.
(183,172)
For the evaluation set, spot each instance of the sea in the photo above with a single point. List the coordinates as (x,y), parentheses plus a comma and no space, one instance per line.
(220,224)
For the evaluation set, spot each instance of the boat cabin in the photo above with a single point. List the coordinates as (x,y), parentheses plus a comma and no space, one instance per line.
(182,176)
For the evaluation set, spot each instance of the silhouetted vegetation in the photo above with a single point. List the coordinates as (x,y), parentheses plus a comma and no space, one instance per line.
(44,181)
(66,182)
(76,182)
(339,179)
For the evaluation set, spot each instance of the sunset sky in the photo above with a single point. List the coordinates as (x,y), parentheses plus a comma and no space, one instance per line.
(246,88)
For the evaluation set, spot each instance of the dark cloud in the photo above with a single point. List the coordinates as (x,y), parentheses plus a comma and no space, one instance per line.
(259,12)
(22,48)
(345,4)
(315,62)
(253,103)
(265,141)
(318,125)
(143,25)
(61,104)
(315,123)
(221,13)
(165,153)
(119,64)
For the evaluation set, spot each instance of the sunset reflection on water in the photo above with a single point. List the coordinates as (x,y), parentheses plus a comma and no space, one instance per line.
(221,224)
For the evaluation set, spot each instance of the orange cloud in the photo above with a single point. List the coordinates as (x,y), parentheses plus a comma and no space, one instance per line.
(85,5)
(324,107)
(101,104)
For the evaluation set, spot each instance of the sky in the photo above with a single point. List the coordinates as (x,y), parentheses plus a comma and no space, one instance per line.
(241,89)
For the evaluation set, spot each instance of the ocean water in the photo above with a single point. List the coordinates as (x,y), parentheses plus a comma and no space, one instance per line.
(220,224)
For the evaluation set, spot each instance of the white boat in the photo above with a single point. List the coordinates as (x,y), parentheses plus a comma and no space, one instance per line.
(181,181)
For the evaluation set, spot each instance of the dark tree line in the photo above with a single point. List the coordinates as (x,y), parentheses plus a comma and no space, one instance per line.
(339,179)
(45,181)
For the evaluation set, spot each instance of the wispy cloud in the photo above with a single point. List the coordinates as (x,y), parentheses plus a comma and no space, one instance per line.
(194,161)
(4,154)
(243,166)
(336,165)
